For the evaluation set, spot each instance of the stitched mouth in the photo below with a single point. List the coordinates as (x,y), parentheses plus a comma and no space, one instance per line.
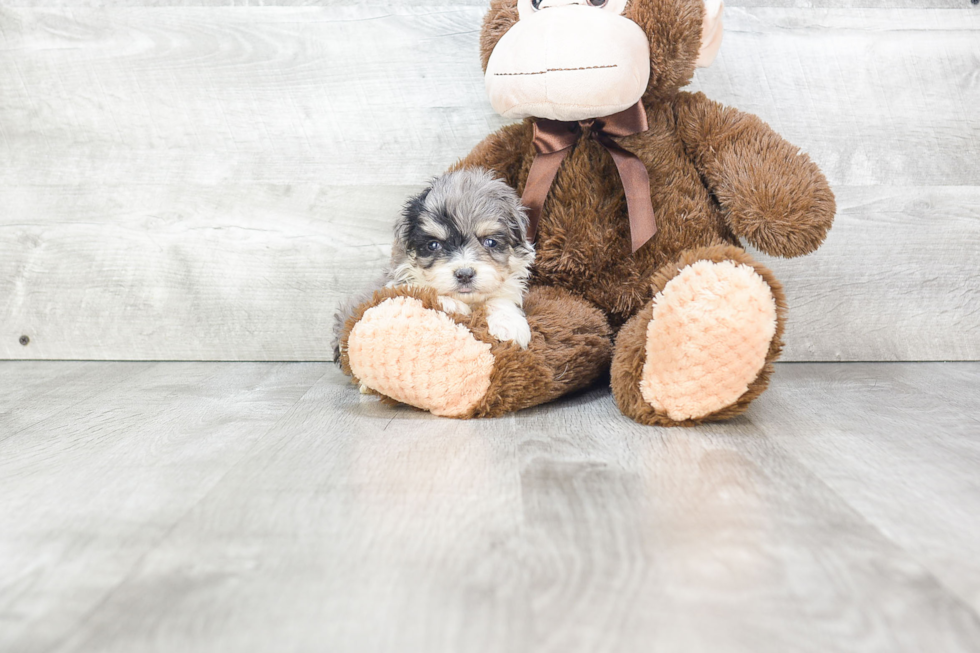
(555,70)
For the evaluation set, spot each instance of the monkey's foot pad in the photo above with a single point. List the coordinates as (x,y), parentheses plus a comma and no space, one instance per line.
(711,330)
(420,357)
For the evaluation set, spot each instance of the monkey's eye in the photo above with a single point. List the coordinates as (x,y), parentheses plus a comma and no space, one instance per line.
(596,3)
(434,246)
(490,243)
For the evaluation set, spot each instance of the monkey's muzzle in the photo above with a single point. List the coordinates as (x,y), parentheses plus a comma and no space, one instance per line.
(568,63)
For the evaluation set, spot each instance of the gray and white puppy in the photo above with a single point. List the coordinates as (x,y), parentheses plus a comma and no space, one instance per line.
(465,236)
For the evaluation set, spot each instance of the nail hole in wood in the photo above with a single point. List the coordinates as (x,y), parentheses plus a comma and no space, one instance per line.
(25,340)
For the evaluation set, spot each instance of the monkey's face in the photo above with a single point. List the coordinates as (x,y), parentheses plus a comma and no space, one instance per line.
(569,60)
(580,59)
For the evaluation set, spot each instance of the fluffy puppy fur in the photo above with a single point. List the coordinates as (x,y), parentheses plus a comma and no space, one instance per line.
(465,236)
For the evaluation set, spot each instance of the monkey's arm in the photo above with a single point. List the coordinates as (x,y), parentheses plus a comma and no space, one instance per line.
(505,152)
(771,194)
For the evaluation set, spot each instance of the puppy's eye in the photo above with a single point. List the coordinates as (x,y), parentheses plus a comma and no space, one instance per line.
(490,243)
(434,246)
(536,4)
(596,3)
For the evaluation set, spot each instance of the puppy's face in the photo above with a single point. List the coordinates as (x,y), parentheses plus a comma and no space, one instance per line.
(465,237)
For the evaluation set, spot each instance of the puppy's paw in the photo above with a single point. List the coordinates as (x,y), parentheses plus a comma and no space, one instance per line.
(450,305)
(509,325)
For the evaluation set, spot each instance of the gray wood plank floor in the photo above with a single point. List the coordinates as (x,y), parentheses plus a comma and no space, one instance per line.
(271,507)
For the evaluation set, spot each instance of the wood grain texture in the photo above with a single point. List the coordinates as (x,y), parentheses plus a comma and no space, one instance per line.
(136,456)
(832,4)
(255,507)
(34,394)
(897,279)
(205,182)
(924,472)
(190,273)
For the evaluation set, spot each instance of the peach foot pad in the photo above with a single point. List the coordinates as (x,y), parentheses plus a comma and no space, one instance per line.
(420,357)
(711,330)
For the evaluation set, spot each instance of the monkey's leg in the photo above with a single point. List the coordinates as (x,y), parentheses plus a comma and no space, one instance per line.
(703,348)
(402,347)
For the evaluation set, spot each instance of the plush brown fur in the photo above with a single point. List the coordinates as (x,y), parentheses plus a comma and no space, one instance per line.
(571,346)
(717,175)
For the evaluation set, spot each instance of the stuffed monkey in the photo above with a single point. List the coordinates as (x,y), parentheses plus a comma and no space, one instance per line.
(639,194)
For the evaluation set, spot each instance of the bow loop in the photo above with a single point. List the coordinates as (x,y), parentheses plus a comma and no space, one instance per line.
(552,141)
(552,136)
(625,123)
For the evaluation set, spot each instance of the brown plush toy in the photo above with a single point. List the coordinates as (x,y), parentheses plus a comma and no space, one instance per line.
(612,157)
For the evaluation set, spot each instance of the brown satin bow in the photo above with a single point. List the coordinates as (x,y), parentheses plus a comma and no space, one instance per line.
(553,140)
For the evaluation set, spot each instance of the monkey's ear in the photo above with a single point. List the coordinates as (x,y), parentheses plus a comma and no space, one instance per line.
(711,32)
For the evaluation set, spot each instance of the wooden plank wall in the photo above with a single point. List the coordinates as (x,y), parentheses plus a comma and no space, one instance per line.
(204,182)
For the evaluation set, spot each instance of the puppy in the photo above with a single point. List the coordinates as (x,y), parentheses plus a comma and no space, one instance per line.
(465,235)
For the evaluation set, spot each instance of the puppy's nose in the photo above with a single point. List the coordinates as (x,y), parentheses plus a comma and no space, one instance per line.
(465,275)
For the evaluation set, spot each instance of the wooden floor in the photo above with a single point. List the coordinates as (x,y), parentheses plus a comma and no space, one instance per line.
(270,507)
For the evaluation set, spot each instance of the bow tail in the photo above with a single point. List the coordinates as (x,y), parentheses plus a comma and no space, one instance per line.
(636,183)
(539,180)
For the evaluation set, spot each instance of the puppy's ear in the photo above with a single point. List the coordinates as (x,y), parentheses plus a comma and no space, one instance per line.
(515,213)
(410,215)
(517,217)
(521,221)
(522,249)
